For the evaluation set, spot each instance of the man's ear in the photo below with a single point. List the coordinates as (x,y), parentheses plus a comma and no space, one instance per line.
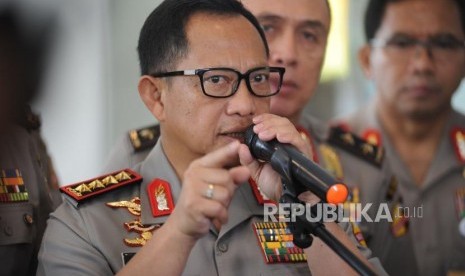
(364,56)
(150,91)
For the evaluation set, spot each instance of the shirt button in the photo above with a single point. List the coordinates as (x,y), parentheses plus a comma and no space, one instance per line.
(28,219)
(8,231)
(223,247)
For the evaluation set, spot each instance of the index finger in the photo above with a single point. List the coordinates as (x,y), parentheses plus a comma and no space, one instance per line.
(227,155)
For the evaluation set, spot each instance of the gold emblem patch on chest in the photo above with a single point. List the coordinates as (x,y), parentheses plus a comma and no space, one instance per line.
(145,232)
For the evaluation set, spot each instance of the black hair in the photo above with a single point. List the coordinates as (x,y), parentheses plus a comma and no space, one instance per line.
(377,8)
(163,40)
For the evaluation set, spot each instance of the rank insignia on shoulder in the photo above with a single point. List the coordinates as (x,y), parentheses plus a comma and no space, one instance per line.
(144,138)
(276,242)
(458,140)
(356,145)
(96,186)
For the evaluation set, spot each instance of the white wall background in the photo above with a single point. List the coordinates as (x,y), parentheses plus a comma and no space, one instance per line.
(90,93)
(73,104)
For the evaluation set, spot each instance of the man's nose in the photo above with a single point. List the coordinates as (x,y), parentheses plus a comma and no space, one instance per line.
(422,48)
(284,50)
(423,59)
(242,102)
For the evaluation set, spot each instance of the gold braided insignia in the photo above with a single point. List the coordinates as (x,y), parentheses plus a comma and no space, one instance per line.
(140,241)
(133,206)
(138,227)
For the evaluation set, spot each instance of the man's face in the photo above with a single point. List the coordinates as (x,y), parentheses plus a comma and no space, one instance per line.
(418,83)
(195,124)
(296,32)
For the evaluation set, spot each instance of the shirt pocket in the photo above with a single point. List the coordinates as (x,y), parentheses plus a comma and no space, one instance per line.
(16,223)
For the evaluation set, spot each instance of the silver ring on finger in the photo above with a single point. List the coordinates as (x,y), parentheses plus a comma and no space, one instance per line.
(209,192)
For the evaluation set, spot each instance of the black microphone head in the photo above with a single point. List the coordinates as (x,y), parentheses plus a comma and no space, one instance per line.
(260,150)
(249,136)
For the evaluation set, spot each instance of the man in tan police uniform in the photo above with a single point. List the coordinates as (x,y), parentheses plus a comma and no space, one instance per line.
(416,58)
(297,34)
(193,167)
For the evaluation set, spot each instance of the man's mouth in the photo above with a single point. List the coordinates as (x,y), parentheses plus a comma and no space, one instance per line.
(236,135)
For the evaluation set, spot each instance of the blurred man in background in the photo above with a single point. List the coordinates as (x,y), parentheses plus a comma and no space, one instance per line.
(28,186)
(415,56)
(297,34)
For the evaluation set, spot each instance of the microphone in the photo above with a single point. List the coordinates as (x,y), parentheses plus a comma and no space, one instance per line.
(292,165)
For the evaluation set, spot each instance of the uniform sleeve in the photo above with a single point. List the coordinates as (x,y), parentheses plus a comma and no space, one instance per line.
(66,248)
(366,252)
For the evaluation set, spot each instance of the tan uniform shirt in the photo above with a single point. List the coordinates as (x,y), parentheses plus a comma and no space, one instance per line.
(24,168)
(432,243)
(342,154)
(87,238)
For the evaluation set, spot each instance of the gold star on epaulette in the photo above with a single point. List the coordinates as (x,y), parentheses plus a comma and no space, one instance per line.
(348,138)
(122,176)
(95,185)
(82,189)
(367,148)
(109,180)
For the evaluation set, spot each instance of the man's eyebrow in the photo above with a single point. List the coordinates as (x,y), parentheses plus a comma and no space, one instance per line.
(314,24)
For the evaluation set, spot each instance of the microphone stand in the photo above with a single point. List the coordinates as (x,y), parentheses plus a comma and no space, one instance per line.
(303,229)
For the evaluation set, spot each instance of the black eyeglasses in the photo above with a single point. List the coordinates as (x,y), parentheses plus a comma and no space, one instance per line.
(441,47)
(224,82)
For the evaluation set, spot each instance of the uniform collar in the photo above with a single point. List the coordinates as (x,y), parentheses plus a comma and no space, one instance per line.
(156,165)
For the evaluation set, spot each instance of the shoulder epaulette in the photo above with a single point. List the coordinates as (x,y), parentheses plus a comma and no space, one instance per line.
(356,145)
(144,138)
(102,184)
